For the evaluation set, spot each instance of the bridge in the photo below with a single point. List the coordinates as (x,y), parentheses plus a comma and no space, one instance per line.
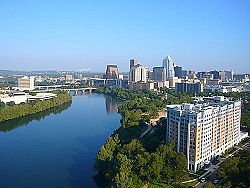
(75,91)
(52,87)
(78,91)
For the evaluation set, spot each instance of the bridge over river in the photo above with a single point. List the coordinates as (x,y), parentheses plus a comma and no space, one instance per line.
(75,91)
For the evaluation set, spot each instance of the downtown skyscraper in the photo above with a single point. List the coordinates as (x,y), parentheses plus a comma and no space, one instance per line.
(169,64)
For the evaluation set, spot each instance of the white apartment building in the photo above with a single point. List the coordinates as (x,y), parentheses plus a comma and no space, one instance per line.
(205,129)
(138,73)
(26,83)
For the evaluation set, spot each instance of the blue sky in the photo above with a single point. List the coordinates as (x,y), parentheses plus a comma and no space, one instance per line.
(78,34)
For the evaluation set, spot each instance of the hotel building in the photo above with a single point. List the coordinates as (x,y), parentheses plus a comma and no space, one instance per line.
(26,83)
(205,129)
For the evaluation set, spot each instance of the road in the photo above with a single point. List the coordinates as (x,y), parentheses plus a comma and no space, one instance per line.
(213,168)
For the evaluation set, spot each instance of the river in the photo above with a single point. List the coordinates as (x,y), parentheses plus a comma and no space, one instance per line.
(57,148)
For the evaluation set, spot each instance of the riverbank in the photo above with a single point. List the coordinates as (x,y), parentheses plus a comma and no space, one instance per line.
(136,154)
(18,111)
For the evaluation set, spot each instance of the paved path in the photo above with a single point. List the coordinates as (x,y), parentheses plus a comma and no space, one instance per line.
(146,131)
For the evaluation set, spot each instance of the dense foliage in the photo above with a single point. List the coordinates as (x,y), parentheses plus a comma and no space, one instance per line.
(127,159)
(235,171)
(245,114)
(17,111)
(23,121)
(140,106)
(130,165)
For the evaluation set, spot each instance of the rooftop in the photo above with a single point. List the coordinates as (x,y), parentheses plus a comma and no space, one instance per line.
(202,103)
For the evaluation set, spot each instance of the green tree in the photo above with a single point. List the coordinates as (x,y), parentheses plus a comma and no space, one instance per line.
(209,185)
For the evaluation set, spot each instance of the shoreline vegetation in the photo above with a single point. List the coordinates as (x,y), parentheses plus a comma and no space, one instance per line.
(18,111)
(23,121)
(136,154)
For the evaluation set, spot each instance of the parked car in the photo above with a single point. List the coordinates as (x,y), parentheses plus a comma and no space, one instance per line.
(202,180)
(216,181)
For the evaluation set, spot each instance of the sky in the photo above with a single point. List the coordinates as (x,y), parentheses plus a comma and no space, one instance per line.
(79,34)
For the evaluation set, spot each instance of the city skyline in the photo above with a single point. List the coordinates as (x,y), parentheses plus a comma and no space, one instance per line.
(89,35)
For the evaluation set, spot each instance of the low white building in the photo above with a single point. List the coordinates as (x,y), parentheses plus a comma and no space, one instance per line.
(41,96)
(15,97)
(22,97)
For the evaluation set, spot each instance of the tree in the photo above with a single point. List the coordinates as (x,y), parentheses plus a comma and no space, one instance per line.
(2,104)
(11,103)
(209,185)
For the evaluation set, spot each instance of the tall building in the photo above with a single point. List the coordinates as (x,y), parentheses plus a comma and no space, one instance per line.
(133,62)
(178,71)
(185,87)
(205,129)
(26,83)
(112,72)
(159,74)
(169,65)
(138,73)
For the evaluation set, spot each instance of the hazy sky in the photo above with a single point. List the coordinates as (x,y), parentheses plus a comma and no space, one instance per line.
(78,34)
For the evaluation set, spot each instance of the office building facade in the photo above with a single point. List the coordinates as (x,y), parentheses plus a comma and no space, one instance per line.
(188,87)
(178,71)
(159,74)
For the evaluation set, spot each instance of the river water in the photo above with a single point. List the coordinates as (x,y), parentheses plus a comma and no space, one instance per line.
(57,148)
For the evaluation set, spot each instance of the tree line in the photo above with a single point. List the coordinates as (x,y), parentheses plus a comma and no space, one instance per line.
(235,171)
(17,111)
(14,123)
(130,165)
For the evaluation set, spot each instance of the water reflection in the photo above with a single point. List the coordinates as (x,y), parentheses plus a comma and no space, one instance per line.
(112,104)
(59,151)
(15,123)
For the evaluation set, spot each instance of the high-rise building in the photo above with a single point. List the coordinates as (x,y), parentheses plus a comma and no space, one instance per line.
(112,72)
(178,71)
(138,73)
(205,129)
(169,64)
(133,62)
(159,74)
(26,83)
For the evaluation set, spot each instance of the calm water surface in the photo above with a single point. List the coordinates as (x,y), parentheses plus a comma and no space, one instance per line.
(57,150)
